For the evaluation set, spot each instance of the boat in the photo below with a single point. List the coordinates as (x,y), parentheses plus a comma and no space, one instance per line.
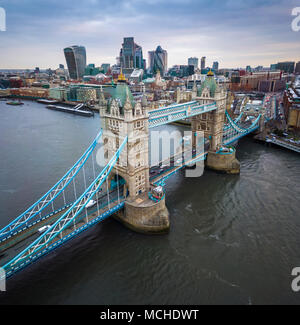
(15,103)
(76,110)
(47,101)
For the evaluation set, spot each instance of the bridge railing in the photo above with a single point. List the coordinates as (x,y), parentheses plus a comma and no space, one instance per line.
(164,110)
(240,129)
(227,126)
(167,116)
(235,132)
(69,217)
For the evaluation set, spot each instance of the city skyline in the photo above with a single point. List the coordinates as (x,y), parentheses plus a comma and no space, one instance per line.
(185,29)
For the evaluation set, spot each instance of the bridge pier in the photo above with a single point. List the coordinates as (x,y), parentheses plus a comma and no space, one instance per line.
(145,216)
(223,162)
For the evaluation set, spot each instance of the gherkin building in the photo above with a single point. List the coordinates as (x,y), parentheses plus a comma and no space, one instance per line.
(158,60)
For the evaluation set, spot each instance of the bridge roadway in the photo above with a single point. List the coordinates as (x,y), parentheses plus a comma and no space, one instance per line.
(14,245)
(242,125)
(283,144)
(172,167)
(161,166)
(230,136)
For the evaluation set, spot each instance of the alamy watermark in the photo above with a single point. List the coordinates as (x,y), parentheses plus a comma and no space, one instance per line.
(2,279)
(2,20)
(166,150)
(296,281)
(296,20)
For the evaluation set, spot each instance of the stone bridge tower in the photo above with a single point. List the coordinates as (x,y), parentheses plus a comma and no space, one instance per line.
(212,125)
(122,116)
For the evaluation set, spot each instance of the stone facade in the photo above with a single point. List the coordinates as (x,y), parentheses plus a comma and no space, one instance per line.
(223,163)
(145,218)
(211,123)
(122,117)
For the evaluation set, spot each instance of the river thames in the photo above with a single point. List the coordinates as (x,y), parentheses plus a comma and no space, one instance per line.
(233,239)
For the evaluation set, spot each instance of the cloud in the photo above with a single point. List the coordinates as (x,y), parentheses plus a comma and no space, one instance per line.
(230,31)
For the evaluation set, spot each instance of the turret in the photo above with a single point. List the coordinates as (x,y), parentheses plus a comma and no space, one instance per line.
(102,103)
(194,90)
(128,109)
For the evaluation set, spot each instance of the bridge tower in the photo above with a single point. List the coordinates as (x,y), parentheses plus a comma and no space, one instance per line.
(212,125)
(121,116)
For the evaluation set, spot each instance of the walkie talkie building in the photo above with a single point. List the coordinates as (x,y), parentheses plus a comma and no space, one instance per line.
(76,61)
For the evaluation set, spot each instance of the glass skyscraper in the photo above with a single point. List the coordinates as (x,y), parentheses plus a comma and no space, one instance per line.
(287,67)
(76,61)
(194,62)
(131,55)
(203,62)
(158,60)
(216,66)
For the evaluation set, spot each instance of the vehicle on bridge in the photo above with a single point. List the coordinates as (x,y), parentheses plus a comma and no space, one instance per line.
(91,203)
(43,229)
(157,192)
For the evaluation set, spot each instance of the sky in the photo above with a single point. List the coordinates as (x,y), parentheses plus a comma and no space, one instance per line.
(235,33)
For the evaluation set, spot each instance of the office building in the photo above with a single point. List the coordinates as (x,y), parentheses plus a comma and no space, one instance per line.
(158,60)
(131,56)
(248,68)
(105,67)
(194,62)
(91,70)
(287,67)
(297,69)
(216,66)
(203,63)
(76,61)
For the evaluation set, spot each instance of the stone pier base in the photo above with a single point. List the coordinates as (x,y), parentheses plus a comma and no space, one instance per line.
(226,163)
(142,215)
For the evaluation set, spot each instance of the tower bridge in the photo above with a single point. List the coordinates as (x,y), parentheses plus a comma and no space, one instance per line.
(123,188)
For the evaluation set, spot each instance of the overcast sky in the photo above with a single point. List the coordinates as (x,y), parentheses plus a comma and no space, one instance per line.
(235,33)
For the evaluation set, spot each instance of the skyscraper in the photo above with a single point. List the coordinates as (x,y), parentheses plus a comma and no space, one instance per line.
(287,67)
(194,62)
(203,63)
(297,69)
(158,60)
(248,68)
(216,66)
(76,61)
(131,55)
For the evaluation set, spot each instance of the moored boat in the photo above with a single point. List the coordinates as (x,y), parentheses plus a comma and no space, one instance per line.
(15,103)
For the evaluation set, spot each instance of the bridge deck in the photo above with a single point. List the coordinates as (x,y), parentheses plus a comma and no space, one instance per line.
(30,230)
(173,169)
(84,222)
(30,233)
(284,144)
